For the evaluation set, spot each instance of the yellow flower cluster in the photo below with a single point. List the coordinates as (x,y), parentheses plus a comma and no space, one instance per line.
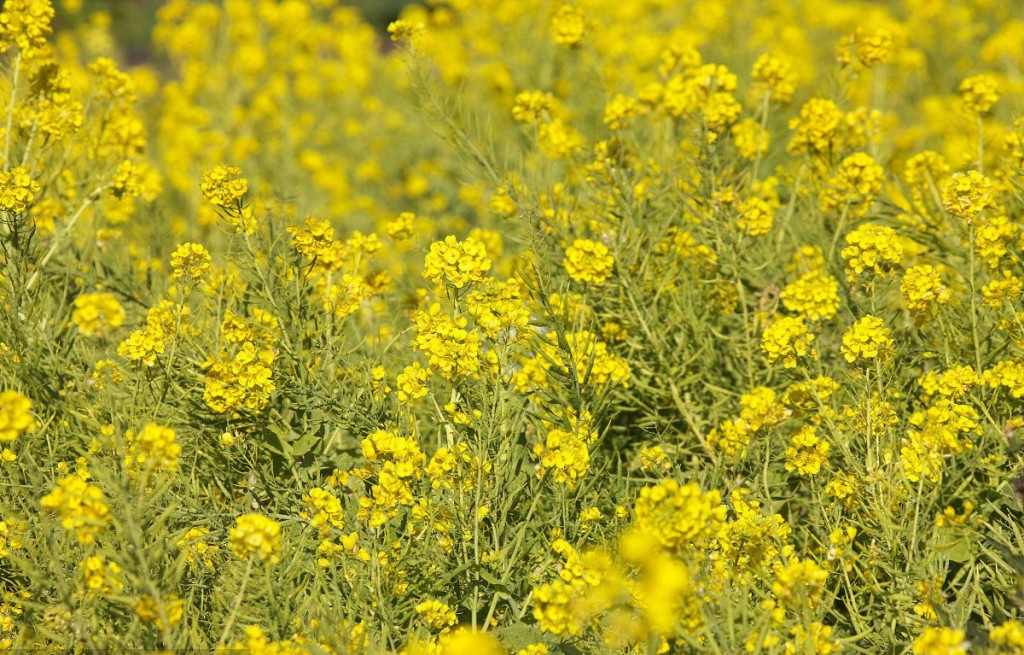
(314,239)
(775,75)
(257,642)
(799,584)
(197,548)
(155,448)
(451,349)
(786,339)
(95,314)
(437,614)
(871,247)
(499,308)
(190,262)
(588,261)
(101,576)
(873,46)
(396,461)
(756,217)
(25,24)
(868,338)
(679,517)
(568,26)
(1008,374)
(940,641)
(935,437)
(807,453)
(856,184)
(565,454)
(17,189)
(923,289)
(814,296)
(818,128)
(967,195)
(15,416)
(81,507)
(979,93)
(224,186)
(164,615)
(245,379)
(163,324)
(458,263)
(256,534)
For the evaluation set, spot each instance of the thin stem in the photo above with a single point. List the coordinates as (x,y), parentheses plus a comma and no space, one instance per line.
(238,604)
(10,109)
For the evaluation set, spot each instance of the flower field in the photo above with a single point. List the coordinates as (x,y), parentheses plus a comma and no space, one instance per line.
(651,326)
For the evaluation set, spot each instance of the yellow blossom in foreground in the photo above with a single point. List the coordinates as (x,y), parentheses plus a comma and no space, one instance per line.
(15,415)
(17,190)
(787,339)
(1009,635)
(967,195)
(313,240)
(940,641)
(25,24)
(224,186)
(255,534)
(458,263)
(867,338)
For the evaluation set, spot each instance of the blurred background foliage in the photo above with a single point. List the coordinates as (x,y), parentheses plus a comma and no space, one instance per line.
(135,18)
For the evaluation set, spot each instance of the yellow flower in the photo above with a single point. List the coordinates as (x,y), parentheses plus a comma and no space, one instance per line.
(815,296)
(785,340)
(26,24)
(255,534)
(95,314)
(588,261)
(869,248)
(81,507)
(437,614)
(873,46)
(940,641)
(807,453)
(867,338)
(155,448)
(224,186)
(775,76)
(799,584)
(190,261)
(15,416)
(458,263)
(979,93)
(163,615)
(756,217)
(314,240)
(568,26)
(967,195)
